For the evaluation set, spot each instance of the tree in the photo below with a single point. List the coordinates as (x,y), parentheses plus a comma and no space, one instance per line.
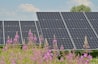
(80,8)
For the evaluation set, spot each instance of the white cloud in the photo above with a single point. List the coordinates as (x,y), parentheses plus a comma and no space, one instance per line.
(5,12)
(28,8)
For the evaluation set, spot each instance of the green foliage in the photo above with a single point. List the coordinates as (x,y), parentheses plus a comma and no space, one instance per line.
(94,53)
(80,8)
(35,56)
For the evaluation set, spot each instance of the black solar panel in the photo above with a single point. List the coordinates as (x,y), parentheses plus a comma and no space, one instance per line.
(48,15)
(79,28)
(93,19)
(51,24)
(60,33)
(92,15)
(10,28)
(65,42)
(82,24)
(73,15)
(26,26)
(69,28)
(1,33)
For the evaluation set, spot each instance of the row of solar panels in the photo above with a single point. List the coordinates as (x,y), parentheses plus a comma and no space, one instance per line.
(70,28)
(9,28)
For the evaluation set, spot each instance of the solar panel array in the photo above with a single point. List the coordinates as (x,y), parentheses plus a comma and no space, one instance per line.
(79,28)
(52,24)
(9,28)
(26,26)
(70,28)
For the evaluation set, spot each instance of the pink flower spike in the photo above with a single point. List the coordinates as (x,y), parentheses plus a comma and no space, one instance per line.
(30,33)
(54,39)
(62,47)
(85,55)
(25,47)
(15,40)
(9,41)
(17,36)
(90,57)
(35,38)
(82,57)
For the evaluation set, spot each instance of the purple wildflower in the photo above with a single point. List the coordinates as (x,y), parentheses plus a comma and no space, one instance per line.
(24,47)
(16,38)
(48,56)
(90,57)
(85,59)
(62,47)
(55,43)
(35,38)
(30,33)
(9,41)
(30,36)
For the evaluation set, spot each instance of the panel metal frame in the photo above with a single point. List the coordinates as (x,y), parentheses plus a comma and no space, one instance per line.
(3,33)
(21,32)
(37,30)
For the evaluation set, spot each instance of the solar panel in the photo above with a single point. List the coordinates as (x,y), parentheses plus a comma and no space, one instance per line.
(51,24)
(93,19)
(79,28)
(26,26)
(92,15)
(73,15)
(1,33)
(70,28)
(10,28)
(48,15)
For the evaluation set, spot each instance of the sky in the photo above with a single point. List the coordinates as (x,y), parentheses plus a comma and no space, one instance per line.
(26,9)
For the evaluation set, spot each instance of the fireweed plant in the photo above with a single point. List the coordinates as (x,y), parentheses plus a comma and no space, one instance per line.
(32,53)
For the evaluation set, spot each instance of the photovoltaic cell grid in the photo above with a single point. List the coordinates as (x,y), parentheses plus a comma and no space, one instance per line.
(26,26)
(77,24)
(52,24)
(93,18)
(1,33)
(10,28)
(79,28)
